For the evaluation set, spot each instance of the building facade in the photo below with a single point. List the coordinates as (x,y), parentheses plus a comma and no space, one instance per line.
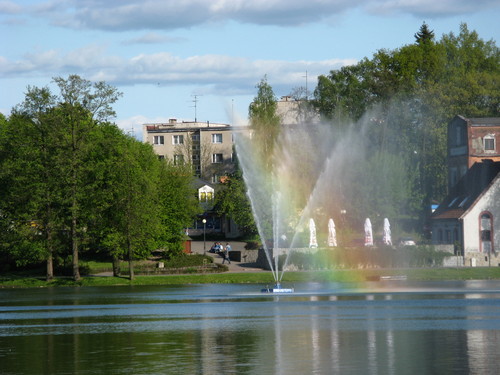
(208,147)
(471,140)
(468,219)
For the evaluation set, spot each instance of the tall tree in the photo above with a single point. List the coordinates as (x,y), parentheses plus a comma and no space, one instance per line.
(32,170)
(83,104)
(424,34)
(264,122)
(64,122)
(233,201)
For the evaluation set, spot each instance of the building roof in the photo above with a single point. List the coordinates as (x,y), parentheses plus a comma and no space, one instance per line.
(175,125)
(466,192)
(481,121)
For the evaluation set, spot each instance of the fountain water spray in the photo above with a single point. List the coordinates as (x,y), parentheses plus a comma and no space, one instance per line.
(312,171)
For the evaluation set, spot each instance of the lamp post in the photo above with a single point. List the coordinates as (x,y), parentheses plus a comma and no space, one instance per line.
(204,221)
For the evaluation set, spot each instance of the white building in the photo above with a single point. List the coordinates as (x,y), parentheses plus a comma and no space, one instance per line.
(469,217)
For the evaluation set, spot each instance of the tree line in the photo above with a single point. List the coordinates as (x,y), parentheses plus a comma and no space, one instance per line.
(404,99)
(391,111)
(72,182)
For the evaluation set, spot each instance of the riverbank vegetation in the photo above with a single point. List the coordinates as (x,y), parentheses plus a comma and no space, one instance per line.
(73,184)
(262,277)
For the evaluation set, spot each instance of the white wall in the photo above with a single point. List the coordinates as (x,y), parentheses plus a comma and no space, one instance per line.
(488,202)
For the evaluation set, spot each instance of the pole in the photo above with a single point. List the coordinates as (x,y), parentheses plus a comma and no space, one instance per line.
(204,238)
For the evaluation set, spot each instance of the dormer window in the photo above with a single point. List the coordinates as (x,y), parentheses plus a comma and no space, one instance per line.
(489,143)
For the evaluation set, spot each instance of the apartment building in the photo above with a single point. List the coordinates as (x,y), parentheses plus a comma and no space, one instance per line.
(208,147)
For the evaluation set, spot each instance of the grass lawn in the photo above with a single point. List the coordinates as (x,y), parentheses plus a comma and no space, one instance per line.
(476,273)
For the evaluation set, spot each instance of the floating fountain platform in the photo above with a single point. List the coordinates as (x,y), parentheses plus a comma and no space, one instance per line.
(277,289)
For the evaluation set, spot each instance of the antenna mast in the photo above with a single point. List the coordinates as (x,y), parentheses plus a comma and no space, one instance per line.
(307,92)
(195,101)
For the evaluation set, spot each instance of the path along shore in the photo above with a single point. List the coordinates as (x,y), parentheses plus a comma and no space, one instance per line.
(197,247)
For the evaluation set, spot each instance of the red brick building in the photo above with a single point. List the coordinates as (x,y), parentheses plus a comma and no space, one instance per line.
(471,140)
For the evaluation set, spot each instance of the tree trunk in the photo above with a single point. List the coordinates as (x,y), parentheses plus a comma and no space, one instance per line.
(50,257)
(130,260)
(50,268)
(74,245)
(116,266)
(131,269)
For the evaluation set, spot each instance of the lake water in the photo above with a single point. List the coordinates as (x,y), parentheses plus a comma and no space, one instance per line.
(380,328)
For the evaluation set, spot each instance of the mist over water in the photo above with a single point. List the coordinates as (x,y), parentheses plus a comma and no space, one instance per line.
(320,171)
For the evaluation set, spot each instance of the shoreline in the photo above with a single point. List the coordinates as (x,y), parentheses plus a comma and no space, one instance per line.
(262,277)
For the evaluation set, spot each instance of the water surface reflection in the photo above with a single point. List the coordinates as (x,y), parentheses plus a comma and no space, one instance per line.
(372,328)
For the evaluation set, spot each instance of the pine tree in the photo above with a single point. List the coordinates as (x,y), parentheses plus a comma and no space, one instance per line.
(424,35)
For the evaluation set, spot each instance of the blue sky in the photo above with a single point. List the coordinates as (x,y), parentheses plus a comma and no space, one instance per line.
(161,53)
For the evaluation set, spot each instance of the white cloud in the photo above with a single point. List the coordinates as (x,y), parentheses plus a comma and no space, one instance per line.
(430,8)
(174,14)
(9,7)
(217,72)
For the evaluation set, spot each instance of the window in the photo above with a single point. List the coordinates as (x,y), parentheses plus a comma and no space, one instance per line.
(178,159)
(206,196)
(486,224)
(217,138)
(217,158)
(453,176)
(195,137)
(489,143)
(447,233)
(215,178)
(440,235)
(158,140)
(177,139)
(460,135)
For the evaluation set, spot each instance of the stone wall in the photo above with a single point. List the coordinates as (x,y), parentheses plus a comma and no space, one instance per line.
(482,260)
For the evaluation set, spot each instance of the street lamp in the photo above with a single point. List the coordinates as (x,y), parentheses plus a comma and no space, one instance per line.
(204,221)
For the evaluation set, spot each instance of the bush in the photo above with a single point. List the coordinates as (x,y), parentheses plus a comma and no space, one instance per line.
(384,257)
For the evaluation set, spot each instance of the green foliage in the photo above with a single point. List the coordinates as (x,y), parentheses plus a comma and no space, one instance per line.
(179,205)
(363,258)
(403,99)
(424,35)
(72,182)
(264,122)
(233,201)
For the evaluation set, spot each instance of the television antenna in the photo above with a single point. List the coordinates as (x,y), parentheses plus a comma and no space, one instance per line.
(307,93)
(195,101)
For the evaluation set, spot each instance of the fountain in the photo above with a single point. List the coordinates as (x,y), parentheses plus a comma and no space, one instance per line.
(308,174)
(284,188)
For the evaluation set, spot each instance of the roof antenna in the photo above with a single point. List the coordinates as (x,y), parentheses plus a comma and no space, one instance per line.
(307,93)
(195,101)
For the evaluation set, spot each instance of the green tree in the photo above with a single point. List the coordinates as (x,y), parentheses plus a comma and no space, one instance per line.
(424,35)
(233,201)
(124,201)
(83,105)
(31,175)
(53,131)
(264,122)
(178,205)
(404,98)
